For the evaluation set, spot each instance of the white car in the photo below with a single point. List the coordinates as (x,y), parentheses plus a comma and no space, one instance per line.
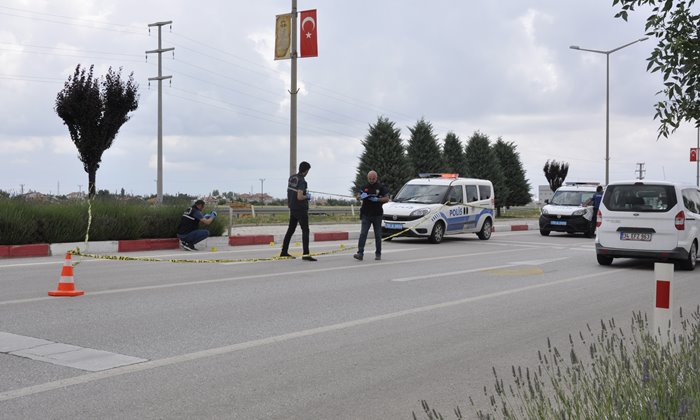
(436,205)
(569,210)
(649,219)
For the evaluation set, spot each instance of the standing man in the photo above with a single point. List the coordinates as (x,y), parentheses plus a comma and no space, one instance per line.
(188,232)
(372,195)
(298,202)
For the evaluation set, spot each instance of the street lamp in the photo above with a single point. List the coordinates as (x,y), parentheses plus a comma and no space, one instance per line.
(607,97)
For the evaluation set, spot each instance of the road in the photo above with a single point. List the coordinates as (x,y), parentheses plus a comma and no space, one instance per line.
(334,339)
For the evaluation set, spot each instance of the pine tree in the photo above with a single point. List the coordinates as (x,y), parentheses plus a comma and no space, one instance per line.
(423,151)
(482,163)
(514,174)
(453,154)
(384,153)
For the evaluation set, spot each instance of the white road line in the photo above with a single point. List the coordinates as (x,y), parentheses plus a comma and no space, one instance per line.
(356,265)
(91,377)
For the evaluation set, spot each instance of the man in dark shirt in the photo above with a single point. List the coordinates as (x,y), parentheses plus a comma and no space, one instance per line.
(188,231)
(298,202)
(372,195)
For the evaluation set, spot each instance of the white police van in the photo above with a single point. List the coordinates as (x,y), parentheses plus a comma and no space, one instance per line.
(436,205)
(570,210)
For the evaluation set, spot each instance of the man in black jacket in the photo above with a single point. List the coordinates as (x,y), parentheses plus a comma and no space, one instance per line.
(298,202)
(372,195)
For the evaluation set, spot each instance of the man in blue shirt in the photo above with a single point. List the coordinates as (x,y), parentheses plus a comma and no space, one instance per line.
(188,231)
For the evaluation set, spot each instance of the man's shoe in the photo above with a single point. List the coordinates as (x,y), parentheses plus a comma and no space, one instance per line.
(358,257)
(188,246)
(286,255)
(309,258)
(377,257)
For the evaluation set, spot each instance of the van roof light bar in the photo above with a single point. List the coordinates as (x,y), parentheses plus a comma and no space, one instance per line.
(437,175)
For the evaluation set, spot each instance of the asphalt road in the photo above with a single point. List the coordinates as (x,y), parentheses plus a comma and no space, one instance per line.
(333,339)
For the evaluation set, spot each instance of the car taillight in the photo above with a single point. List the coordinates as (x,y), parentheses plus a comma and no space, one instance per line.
(599,219)
(680,220)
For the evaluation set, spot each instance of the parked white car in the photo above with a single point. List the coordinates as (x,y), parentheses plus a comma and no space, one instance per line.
(649,219)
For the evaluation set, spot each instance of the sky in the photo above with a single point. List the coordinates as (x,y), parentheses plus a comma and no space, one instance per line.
(502,68)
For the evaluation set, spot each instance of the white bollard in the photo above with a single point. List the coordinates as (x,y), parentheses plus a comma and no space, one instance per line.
(663,297)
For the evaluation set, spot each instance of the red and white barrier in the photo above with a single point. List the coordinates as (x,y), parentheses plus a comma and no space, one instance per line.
(663,298)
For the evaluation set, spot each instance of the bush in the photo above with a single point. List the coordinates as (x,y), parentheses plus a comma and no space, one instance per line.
(25,222)
(613,376)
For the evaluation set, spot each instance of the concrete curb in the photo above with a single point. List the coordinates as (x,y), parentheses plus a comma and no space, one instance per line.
(112,247)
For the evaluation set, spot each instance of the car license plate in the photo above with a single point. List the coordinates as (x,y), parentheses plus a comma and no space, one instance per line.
(559,222)
(393,225)
(629,236)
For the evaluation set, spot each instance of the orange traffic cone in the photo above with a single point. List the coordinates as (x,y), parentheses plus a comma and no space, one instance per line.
(66,286)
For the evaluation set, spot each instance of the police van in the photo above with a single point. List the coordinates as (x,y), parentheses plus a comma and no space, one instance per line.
(435,205)
(570,210)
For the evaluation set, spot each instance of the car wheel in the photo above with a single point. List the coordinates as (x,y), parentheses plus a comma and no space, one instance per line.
(604,259)
(437,234)
(544,232)
(486,229)
(689,264)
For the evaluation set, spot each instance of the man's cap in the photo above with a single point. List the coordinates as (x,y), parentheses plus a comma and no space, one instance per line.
(198,202)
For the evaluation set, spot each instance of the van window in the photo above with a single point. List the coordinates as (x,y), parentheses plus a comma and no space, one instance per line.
(471,193)
(640,197)
(691,199)
(455,195)
(484,192)
(424,194)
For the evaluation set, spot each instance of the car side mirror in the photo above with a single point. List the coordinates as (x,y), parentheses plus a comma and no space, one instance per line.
(546,201)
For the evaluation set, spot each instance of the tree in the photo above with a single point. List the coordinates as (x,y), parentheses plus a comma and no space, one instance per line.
(94,110)
(676,56)
(423,151)
(453,154)
(514,174)
(481,162)
(555,173)
(385,154)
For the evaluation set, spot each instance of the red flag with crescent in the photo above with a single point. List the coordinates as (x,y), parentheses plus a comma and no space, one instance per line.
(308,46)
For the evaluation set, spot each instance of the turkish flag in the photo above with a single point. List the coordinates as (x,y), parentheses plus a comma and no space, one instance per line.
(308,47)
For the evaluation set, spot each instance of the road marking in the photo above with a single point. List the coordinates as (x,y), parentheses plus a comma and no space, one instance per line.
(168,361)
(476,270)
(354,266)
(63,354)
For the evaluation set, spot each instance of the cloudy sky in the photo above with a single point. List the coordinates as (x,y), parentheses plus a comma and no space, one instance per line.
(503,68)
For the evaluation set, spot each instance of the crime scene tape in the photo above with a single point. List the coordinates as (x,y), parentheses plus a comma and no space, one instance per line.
(342,248)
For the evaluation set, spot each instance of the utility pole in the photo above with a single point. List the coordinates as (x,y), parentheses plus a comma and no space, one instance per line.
(21,189)
(262,192)
(293,92)
(160,79)
(640,170)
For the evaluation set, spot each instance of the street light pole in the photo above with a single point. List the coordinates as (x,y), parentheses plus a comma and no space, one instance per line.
(607,97)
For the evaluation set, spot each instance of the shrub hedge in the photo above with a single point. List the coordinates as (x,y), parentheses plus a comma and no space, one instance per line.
(25,222)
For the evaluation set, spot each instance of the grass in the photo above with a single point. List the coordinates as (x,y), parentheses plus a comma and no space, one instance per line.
(608,374)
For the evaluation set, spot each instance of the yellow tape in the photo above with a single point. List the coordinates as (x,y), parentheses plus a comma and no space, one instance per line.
(342,247)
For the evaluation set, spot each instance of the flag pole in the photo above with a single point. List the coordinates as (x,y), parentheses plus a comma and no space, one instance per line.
(293,93)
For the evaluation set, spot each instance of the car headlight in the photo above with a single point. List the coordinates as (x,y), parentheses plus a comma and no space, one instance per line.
(544,211)
(579,212)
(420,212)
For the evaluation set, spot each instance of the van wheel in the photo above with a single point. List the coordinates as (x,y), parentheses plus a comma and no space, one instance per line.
(604,259)
(544,232)
(486,229)
(437,234)
(689,264)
